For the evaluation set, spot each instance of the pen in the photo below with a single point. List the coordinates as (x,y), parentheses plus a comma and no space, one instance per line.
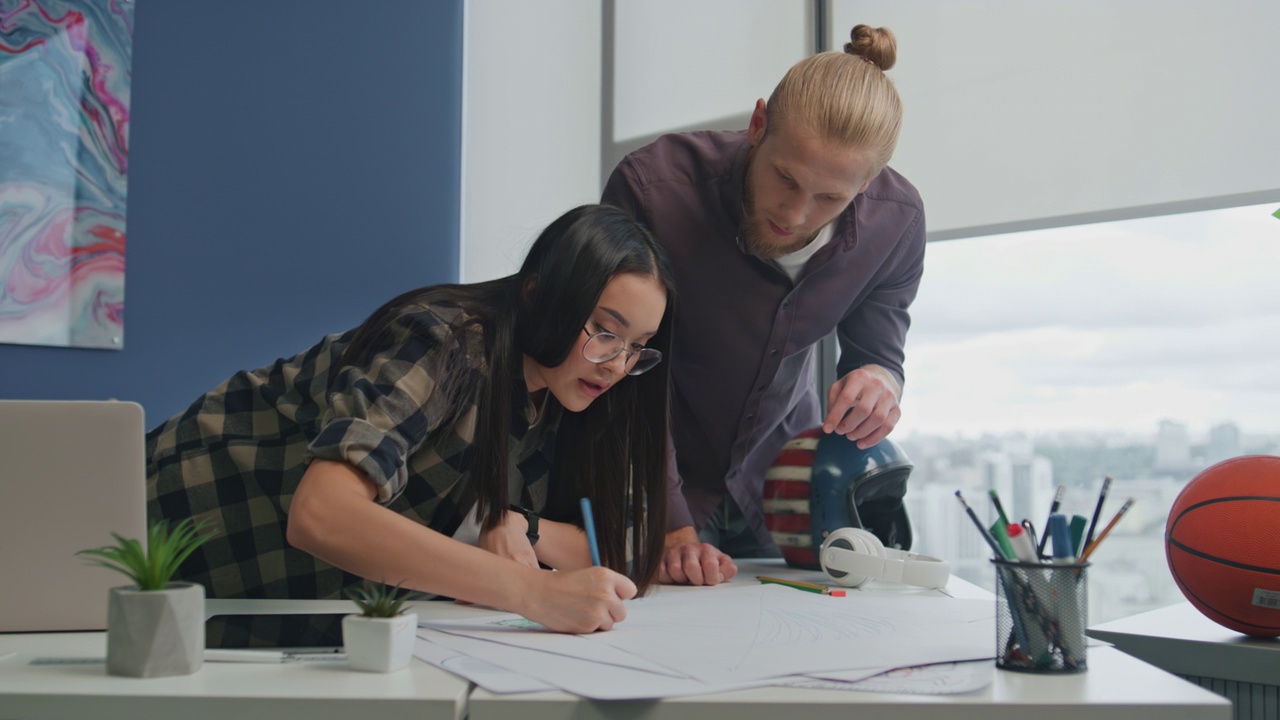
(1031,535)
(244,656)
(1106,530)
(1078,523)
(800,585)
(589,524)
(1001,534)
(1053,508)
(995,548)
(1097,510)
(995,500)
(1021,543)
(269,656)
(1063,550)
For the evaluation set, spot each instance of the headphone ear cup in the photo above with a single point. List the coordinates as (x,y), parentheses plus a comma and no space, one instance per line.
(841,550)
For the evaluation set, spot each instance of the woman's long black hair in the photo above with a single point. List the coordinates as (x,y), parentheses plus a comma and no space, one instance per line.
(614,451)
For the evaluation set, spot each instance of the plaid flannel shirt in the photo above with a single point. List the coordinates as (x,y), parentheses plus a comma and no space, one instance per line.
(236,455)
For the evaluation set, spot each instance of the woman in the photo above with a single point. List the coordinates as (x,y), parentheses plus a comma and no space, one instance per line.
(455,414)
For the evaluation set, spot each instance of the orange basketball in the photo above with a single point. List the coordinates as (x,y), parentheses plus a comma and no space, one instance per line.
(1222,541)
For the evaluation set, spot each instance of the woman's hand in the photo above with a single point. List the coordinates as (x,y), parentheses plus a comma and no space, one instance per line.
(510,539)
(578,601)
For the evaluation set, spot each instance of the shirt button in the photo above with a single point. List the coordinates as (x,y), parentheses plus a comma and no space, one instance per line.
(786,304)
(773,353)
(760,389)
(750,415)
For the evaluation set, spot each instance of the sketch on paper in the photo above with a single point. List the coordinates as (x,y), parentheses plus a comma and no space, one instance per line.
(64,125)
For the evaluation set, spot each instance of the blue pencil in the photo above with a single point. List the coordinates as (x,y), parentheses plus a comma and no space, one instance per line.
(589,524)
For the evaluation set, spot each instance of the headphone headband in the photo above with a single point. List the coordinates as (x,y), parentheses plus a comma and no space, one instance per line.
(851,556)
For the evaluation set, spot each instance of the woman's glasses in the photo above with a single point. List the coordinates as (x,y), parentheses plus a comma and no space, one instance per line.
(603,346)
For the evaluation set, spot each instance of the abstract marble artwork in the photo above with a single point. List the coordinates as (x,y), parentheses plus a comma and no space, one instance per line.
(64,129)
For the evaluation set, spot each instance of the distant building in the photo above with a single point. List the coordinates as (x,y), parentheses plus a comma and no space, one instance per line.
(1224,442)
(1173,446)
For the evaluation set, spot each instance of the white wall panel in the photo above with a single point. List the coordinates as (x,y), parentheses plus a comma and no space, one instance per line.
(696,63)
(1023,115)
(530,124)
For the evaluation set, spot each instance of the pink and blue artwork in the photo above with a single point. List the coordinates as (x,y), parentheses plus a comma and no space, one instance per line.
(64,129)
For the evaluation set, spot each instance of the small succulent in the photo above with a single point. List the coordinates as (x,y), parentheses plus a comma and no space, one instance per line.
(380,600)
(152,567)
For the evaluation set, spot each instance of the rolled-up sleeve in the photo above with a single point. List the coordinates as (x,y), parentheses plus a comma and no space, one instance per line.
(383,409)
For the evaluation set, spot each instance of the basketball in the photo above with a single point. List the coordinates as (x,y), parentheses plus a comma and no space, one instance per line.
(1222,541)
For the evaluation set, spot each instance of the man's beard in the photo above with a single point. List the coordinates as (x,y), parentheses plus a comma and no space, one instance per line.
(752,225)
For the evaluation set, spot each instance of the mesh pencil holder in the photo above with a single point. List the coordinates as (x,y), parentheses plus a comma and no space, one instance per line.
(1041,614)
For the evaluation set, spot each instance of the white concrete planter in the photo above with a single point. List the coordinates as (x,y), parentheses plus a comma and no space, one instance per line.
(379,644)
(154,633)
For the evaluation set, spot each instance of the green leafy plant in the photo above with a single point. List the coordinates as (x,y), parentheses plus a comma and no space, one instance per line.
(380,600)
(152,568)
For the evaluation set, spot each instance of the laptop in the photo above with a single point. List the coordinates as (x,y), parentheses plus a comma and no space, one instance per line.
(71,473)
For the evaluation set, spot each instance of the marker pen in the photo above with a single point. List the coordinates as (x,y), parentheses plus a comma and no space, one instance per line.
(1023,548)
(1063,550)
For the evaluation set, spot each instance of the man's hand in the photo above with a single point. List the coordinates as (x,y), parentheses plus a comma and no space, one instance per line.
(510,540)
(689,562)
(863,406)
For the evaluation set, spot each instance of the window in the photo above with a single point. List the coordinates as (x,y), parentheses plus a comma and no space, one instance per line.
(1144,350)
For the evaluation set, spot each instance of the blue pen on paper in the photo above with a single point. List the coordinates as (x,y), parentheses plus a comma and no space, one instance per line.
(589,524)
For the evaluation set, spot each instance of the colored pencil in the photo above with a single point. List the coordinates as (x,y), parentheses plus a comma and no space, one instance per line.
(801,585)
(1088,550)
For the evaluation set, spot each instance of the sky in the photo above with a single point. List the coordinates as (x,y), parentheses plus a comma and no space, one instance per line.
(1106,327)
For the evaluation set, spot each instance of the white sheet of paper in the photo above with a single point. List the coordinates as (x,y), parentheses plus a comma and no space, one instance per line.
(941,679)
(730,635)
(495,679)
(515,630)
(580,677)
(764,631)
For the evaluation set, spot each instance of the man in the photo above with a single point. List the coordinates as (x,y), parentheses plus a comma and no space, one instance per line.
(779,235)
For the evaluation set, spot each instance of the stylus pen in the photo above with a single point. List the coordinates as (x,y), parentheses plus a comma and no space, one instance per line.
(1053,508)
(995,547)
(589,524)
(269,656)
(244,656)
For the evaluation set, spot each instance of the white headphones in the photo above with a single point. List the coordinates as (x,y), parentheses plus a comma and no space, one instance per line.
(851,556)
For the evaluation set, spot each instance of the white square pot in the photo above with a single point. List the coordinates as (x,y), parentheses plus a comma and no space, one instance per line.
(379,644)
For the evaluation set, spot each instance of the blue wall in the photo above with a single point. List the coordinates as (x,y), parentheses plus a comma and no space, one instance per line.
(293,164)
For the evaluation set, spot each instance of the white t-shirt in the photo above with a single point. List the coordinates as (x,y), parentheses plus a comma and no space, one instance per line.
(792,264)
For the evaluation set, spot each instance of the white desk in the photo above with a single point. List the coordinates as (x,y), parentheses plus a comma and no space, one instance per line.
(1115,686)
(1181,640)
(325,690)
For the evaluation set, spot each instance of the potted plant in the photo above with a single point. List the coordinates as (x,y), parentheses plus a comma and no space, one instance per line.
(154,627)
(380,637)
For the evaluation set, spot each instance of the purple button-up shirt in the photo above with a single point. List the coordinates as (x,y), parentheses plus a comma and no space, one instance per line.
(745,334)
